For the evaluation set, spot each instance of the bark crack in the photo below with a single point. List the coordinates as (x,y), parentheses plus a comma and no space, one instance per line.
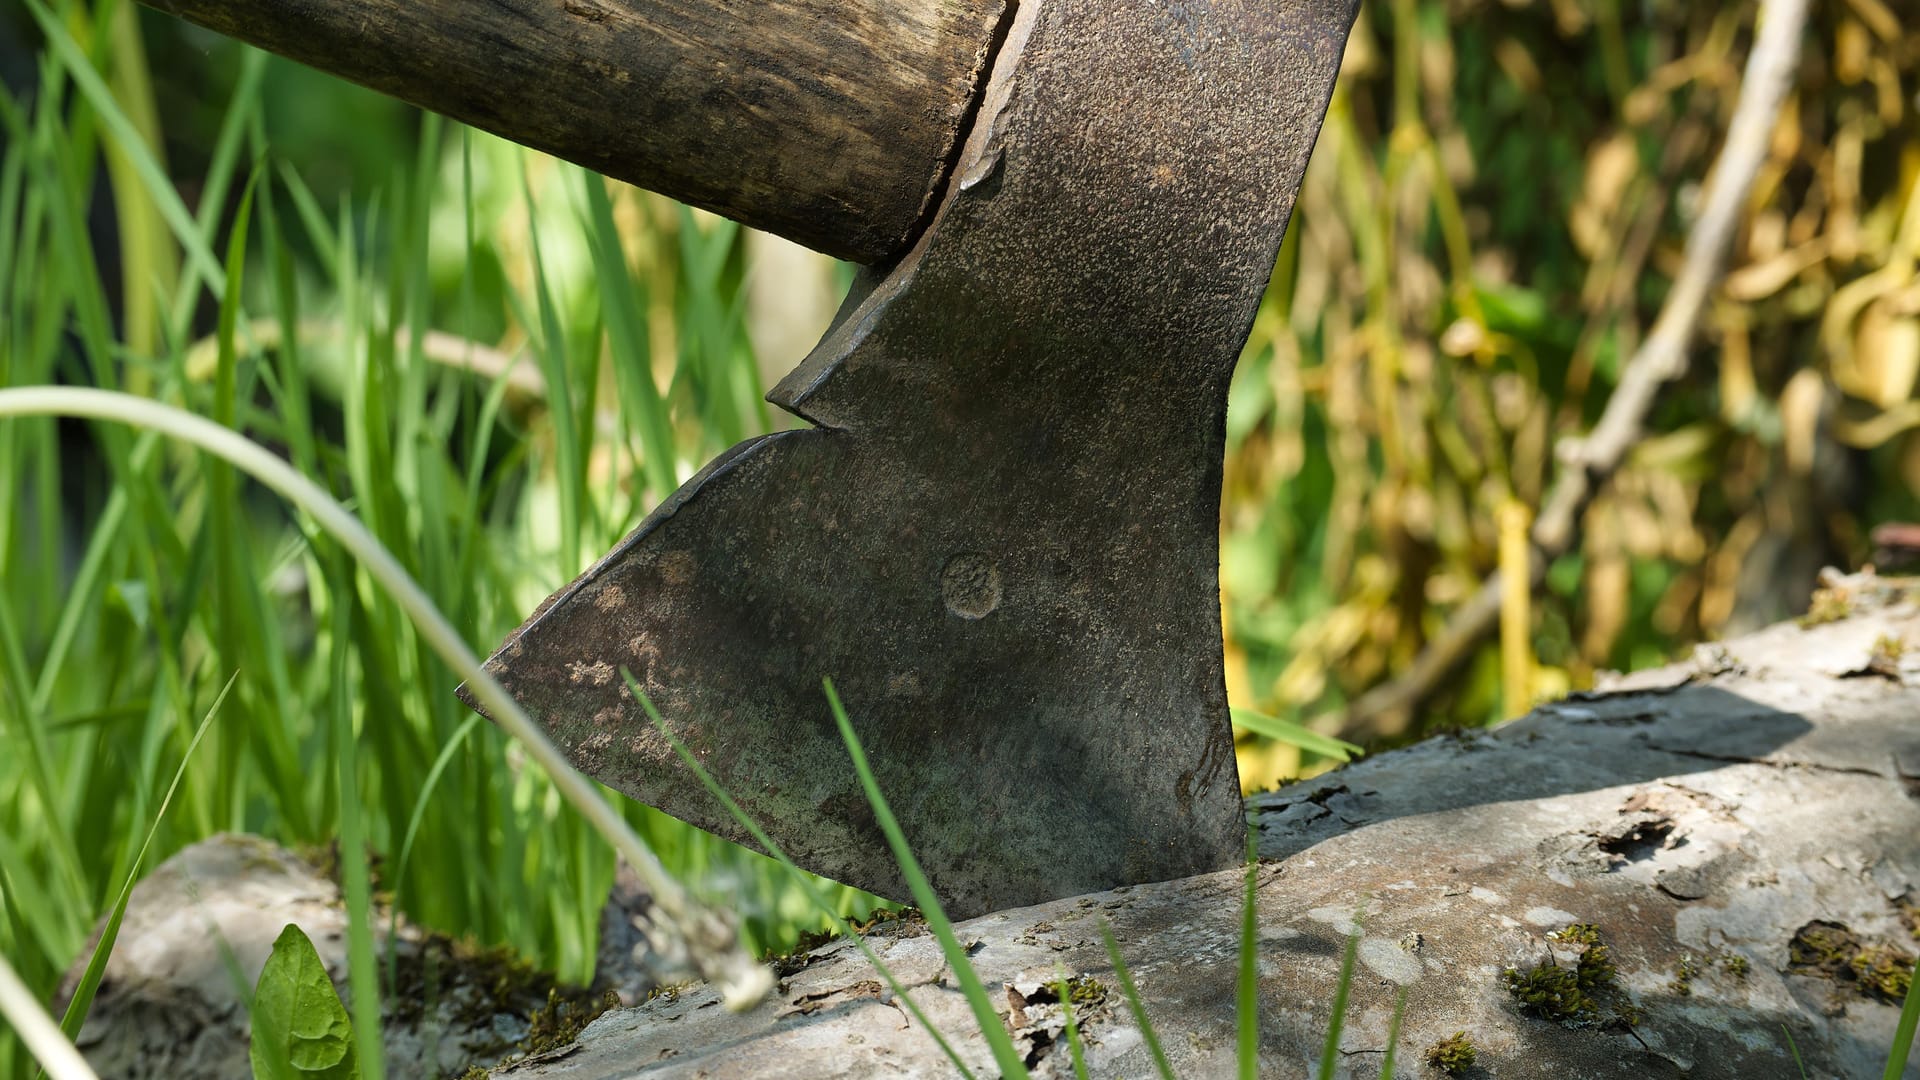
(1785,766)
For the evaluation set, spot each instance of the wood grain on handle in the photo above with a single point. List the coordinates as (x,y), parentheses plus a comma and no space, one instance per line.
(830,122)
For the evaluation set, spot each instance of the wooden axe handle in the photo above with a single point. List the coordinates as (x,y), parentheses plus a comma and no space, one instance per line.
(830,122)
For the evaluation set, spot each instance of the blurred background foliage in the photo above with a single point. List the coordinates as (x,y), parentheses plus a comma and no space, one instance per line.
(502,362)
(1492,217)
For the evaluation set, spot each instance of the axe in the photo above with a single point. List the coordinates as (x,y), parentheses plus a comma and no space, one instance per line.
(999,535)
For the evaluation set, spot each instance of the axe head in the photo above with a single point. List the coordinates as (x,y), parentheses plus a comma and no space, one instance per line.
(1000,537)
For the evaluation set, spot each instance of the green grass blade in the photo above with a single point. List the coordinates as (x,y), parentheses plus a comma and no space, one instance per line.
(39,905)
(362,974)
(1795,1051)
(152,176)
(569,463)
(149,265)
(626,321)
(225,385)
(419,814)
(221,167)
(247,631)
(313,219)
(1076,1051)
(1330,1052)
(76,1014)
(1902,1033)
(991,1027)
(13,175)
(1393,1035)
(1247,994)
(1293,734)
(805,880)
(83,596)
(1132,993)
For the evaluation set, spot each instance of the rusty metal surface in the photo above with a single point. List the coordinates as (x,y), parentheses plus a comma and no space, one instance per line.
(1000,538)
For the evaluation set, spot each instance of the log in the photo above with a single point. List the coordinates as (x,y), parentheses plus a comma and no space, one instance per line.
(829,122)
(1741,832)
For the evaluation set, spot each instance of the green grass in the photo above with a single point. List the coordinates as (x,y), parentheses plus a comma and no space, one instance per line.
(1902,1047)
(140,578)
(984,1012)
(82,1000)
(1247,987)
(1330,1052)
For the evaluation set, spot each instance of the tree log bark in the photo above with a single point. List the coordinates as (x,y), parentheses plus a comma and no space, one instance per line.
(829,122)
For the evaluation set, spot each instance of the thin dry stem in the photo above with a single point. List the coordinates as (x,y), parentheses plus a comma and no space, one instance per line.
(1587,463)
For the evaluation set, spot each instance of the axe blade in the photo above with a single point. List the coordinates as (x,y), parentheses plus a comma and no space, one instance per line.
(1000,538)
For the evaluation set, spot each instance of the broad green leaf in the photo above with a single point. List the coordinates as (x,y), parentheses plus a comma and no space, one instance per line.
(296,1009)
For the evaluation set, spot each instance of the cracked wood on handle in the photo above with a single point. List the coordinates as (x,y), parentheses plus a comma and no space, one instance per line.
(829,122)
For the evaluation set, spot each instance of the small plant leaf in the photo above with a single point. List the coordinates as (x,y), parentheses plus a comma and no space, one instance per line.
(296,1010)
(82,1000)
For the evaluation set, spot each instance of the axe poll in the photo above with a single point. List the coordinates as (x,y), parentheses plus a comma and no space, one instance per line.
(1000,535)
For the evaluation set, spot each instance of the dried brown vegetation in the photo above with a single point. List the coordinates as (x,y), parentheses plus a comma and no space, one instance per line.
(1493,216)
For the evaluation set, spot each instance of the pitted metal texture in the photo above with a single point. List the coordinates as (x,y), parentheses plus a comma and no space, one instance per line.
(1000,540)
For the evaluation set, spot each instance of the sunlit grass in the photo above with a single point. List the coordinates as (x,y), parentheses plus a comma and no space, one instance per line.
(139,579)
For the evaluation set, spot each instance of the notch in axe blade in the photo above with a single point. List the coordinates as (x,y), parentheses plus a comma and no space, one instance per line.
(1001,537)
